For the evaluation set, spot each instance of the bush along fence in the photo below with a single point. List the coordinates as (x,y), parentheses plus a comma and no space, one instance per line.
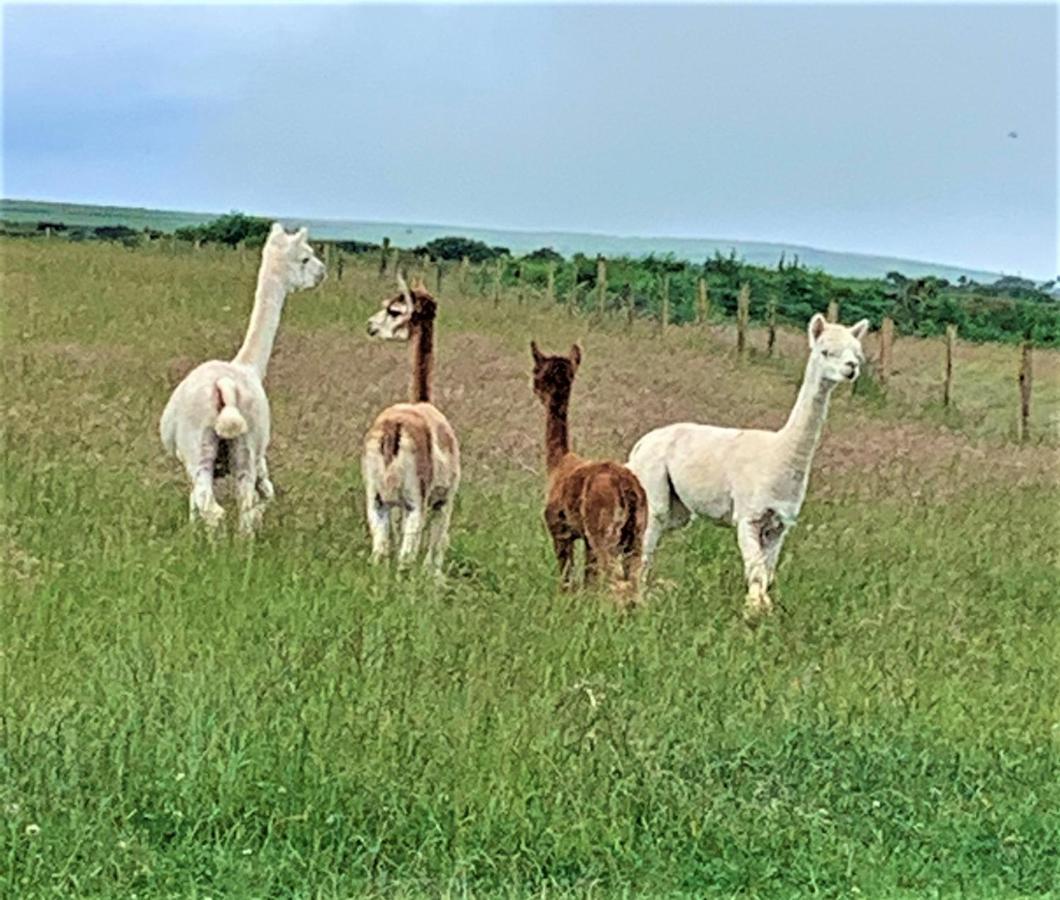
(503,279)
(675,292)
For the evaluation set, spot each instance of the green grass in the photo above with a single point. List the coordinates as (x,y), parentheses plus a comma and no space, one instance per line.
(181,719)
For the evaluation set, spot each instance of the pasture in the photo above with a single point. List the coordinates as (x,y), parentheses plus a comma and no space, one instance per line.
(276,719)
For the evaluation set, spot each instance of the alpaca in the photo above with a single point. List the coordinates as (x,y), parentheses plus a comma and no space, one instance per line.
(599,502)
(755,480)
(411,462)
(217,419)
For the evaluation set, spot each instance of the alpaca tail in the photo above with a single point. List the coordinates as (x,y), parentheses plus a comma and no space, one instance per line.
(229,422)
(390,446)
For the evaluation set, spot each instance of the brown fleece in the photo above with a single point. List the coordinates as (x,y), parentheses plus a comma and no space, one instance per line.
(390,426)
(390,439)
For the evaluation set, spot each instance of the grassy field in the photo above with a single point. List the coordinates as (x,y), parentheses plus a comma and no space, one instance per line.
(276,720)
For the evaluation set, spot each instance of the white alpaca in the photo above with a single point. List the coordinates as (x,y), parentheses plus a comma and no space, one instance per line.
(411,461)
(217,419)
(753,479)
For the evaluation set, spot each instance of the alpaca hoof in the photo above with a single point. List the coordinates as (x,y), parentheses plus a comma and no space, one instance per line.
(249,523)
(212,517)
(758,606)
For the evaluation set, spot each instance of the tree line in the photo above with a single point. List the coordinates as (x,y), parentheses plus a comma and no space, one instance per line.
(1009,309)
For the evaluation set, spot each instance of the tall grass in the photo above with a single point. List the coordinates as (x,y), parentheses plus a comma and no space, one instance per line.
(276,719)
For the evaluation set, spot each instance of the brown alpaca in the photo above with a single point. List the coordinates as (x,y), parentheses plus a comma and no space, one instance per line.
(599,502)
(411,462)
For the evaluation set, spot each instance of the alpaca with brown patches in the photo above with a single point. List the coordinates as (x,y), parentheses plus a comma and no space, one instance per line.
(599,502)
(411,462)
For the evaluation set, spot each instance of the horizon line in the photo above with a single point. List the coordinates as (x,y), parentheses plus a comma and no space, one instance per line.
(782,245)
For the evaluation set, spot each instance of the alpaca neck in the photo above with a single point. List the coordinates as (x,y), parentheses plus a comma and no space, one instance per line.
(802,432)
(422,361)
(264,320)
(557,440)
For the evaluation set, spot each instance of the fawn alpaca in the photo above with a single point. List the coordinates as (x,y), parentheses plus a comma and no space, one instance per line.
(753,479)
(411,462)
(217,419)
(599,502)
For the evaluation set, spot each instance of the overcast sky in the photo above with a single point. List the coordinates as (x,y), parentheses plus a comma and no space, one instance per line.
(868,128)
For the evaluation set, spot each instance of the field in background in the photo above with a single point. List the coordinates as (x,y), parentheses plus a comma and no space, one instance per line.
(275,719)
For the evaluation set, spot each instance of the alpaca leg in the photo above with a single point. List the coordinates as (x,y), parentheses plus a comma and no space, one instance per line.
(663,507)
(772,553)
(411,534)
(438,536)
(563,544)
(602,546)
(755,571)
(592,564)
(652,534)
(378,515)
(203,503)
(632,550)
(245,469)
(632,572)
(198,451)
(263,485)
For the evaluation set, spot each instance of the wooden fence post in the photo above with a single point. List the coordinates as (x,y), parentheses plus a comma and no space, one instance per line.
(498,272)
(384,257)
(886,342)
(1026,372)
(702,302)
(833,311)
(629,305)
(340,264)
(771,321)
(664,313)
(601,285)
(439,273)
(743,313)
(465,269)
(572,297)
(550,284)
(951,343)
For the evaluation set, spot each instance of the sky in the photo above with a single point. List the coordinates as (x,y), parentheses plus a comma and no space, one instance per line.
(867,128)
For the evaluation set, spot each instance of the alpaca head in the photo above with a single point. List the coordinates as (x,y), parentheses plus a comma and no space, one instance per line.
(554,374)
(401,315)
(292,257)
(836,349)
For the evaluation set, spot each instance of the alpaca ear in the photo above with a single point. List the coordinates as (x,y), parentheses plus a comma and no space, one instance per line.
(576,355)
(537,354)
(276,230)
(816,328)
(301,234)
(860,329)
(404,288)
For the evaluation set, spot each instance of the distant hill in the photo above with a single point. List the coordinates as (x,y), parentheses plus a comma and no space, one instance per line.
(854,265)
